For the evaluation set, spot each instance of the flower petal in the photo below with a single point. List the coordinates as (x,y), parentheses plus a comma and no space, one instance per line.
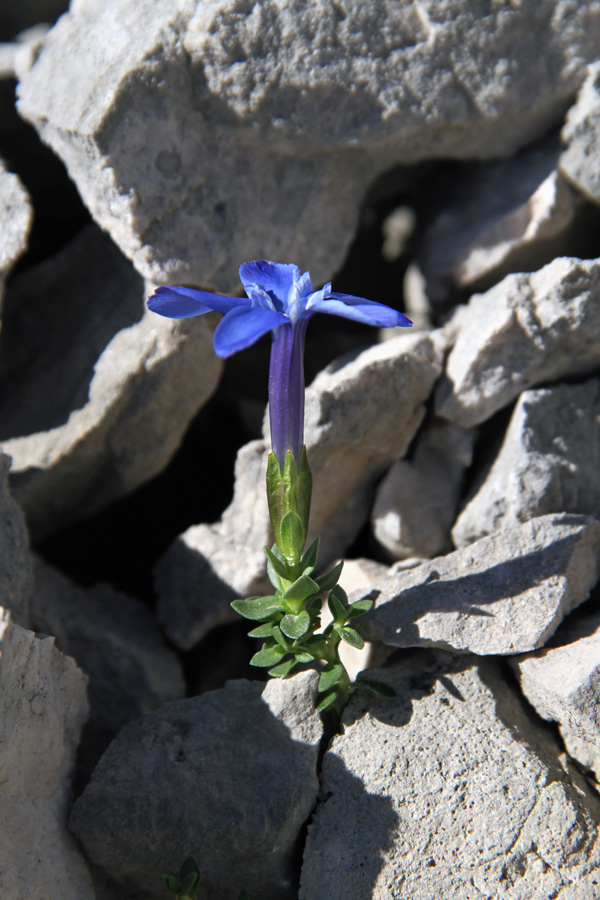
(241,328)
(176,302)
(356,308)
(276,278)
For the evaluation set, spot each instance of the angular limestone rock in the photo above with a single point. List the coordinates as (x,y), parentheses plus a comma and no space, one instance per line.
(417,500)
(361,413)
(562,682)
(528,329)
(500,217)
(202,134)
(16,216)
(504,594)
(451,790)
(16,570)
(42,710)
(547,463)
(96,392)
(230,777)
(117,643)
(581,134)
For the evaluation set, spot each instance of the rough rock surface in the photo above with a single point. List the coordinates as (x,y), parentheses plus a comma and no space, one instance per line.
(102,407)
(581,134)
(230,776)
(361,413)
(42,710)
(563,682)
(416,502)
(205,134)
(504,594)
(500,217)
(547,463)
(528,329)
(16,216)
(452,790)
(116,642)
(16,571)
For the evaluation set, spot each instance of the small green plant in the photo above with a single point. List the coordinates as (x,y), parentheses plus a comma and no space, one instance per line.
(189,882)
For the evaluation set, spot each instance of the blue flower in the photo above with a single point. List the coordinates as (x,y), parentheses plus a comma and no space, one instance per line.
(281,300)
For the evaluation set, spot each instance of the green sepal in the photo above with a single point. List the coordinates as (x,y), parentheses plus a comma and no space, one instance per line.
(359,608)
(327,700)
(309,559)
(189,886)
(303,588)
(291,536)
(329,580)
(337,609)
(268,656)
(171,884)
(352,637)
(378,688)
(330,675)
(296,627)
(263,631)
(275,493)
(304,490)
(284,669)
(257,608)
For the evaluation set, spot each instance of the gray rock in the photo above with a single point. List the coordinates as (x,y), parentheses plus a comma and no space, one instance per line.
(16,571)
(16,216)
(96,392)
(361,413)
(452,790)
(562,682)
(116,642)
(504,594)
(586,752)
(581,134)
(42,710)
(200,135)
(528,329)
(547,463)
(496,218)
(416,502)
(229,777)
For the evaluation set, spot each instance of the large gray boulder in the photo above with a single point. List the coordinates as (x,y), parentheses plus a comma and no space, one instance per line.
(528,329)
(581,134)
(451,790)
(16,569)
(547,463)
(506,593)
(203,134)
(361,414)
(230,777)
(43,707)
(96,391)
(16,216)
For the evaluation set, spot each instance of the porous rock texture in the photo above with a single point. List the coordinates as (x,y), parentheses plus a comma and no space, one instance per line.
(361,413)
(230,776)
(211,133)
(504,594)
(16,571)
(451,790)
(117,643)
(548,463)
(16,216)
(101,408)
(43,707)
(528,329)
(581,134)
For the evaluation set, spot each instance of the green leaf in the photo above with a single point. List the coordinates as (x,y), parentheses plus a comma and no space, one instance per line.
(284,669)
(278,636)
(171,884)
(359,608)
(352,637)
(189,885)
(340,594)
(329,579)
(330,675)
(303,588)
(292,535)
(190,864)
(327,700)
(378,688)
(309,559)
(296,627)
(304,657)
(276,561)
(268,656)
(244,896)
(257,608)
(337,609)
(263,631)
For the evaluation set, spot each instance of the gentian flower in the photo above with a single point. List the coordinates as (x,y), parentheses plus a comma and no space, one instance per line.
(281,300)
